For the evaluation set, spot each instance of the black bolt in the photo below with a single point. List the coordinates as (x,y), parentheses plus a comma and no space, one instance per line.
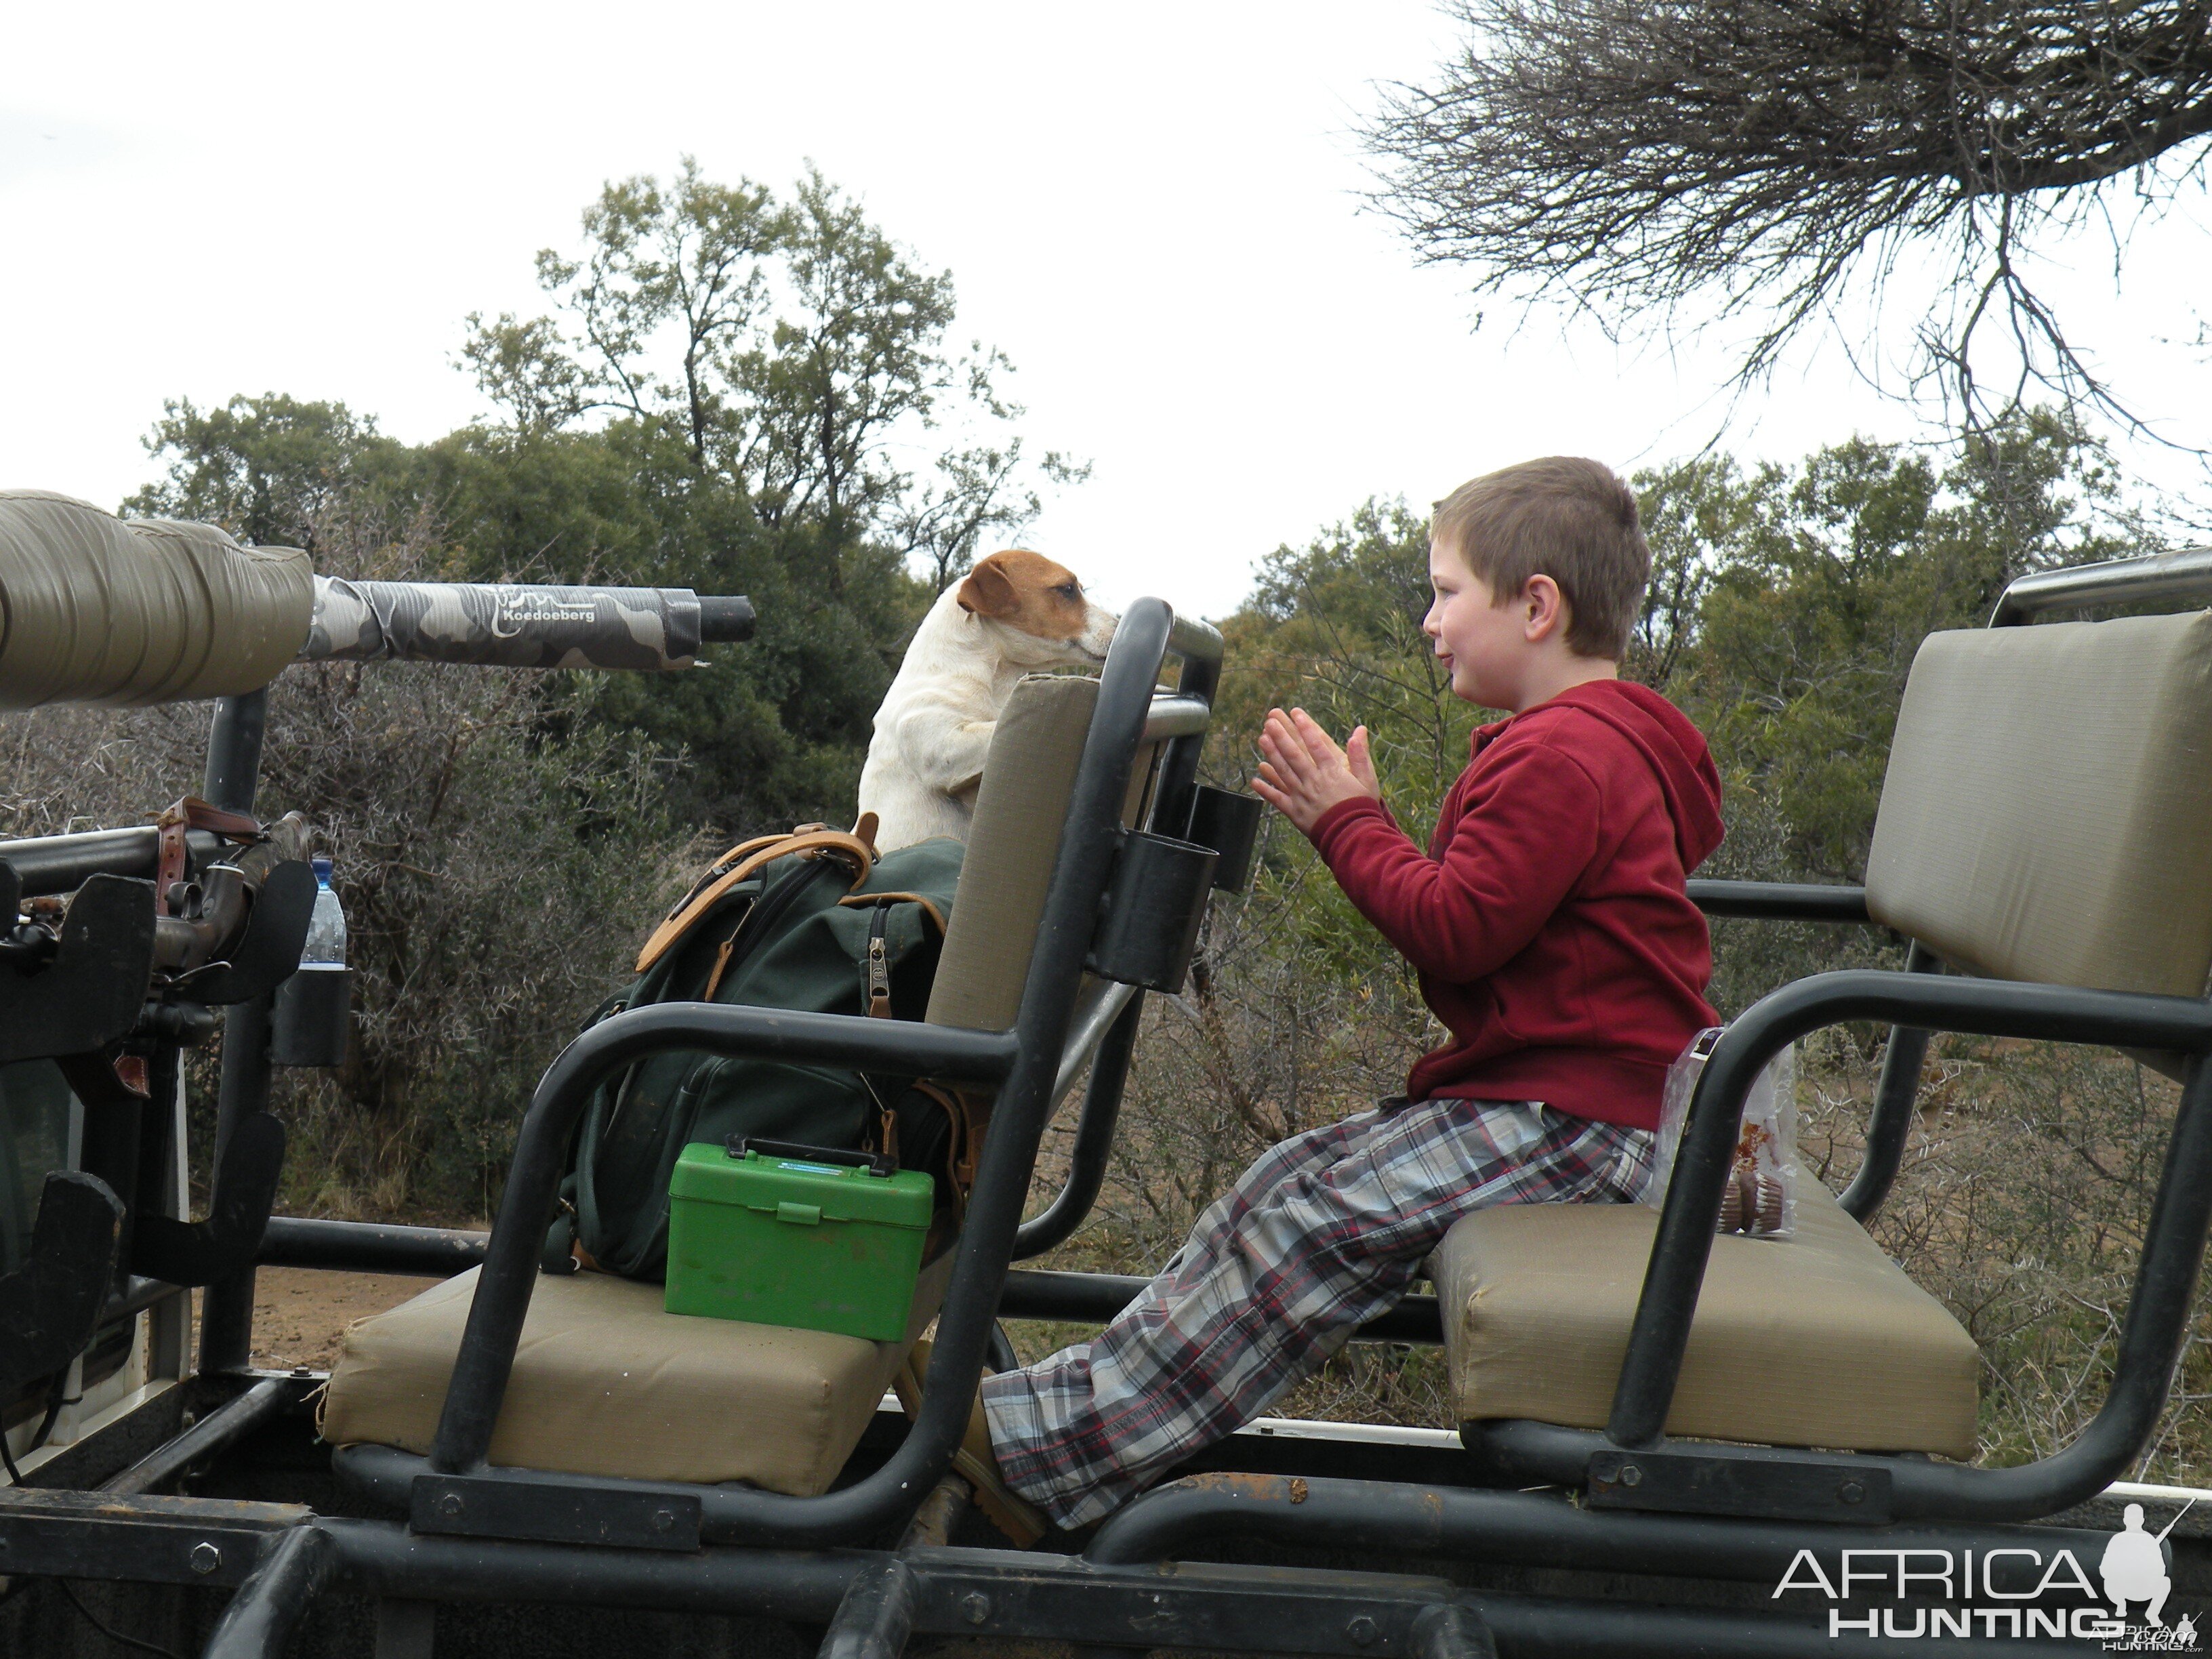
(663,1520)
(1361,1630)
(976,1607)
(1605,1469)
(1850,1491)
(205,1557)
(450,1505)
(1630,1474)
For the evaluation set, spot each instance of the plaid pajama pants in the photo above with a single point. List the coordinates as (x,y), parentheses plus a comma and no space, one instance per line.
(1325,1231)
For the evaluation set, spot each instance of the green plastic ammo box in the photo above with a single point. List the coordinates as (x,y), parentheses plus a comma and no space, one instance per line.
(805,1237)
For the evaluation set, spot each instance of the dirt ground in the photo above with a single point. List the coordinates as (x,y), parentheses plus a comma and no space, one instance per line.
(299,1313)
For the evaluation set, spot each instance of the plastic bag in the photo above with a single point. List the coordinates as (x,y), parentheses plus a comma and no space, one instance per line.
(1760,1199)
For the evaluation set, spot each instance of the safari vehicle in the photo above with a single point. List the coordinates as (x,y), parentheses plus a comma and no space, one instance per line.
(1660,1427)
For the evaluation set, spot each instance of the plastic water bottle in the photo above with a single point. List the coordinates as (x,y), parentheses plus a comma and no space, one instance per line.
(310,1019)
(326,929)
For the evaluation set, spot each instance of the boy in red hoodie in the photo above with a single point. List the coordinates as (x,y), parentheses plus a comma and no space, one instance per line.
(1549,927)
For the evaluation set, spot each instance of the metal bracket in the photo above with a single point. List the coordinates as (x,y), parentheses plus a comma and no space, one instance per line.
(49,1306)
(202,1252)
(1229,824)
(90,993)
(1216,1608)
(268,950)
(136,1537)
(1154,903)
(1768,1487)
(485,1506)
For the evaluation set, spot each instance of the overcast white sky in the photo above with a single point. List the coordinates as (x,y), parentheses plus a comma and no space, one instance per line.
(1152,209)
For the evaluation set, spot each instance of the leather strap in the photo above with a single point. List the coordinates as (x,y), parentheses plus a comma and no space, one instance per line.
(171,856)
(968,1115)
(740,862)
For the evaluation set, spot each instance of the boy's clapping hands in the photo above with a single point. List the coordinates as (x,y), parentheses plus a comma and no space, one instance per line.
(1305,774)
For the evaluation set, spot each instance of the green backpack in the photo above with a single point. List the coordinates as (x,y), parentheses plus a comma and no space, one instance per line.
(812,920)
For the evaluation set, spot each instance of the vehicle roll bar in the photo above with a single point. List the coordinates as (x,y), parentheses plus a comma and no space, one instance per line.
(1532,1529)
(2182,575)
(232,778)
(1780,900)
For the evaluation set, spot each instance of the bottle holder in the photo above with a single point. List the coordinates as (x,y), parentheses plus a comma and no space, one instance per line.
(1229,824)
(1148,931)
(309,1023)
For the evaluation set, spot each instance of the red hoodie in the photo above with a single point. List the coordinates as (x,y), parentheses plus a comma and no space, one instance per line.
(1548,921)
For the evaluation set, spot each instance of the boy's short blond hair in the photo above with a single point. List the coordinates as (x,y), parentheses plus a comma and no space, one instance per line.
(1571,519)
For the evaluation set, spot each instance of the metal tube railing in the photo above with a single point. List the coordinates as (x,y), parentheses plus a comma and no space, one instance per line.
(1094,1136)
(1779,901)
(1890,1123)
(2182,575)
(2174,1241)
(234,768)
(486,1356)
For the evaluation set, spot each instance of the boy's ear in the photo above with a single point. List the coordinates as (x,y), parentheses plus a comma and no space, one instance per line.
(1548,612)
(988,592)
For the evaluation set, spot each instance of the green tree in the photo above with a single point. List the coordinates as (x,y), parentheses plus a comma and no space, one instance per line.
(1789,601)
(793,346)
(270,469)
(673,275)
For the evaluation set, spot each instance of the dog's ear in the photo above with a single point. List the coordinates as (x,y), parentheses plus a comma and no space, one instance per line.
(987,592)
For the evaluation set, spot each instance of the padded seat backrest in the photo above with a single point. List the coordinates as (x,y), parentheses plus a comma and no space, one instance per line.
(2047,813)
(1021,806)
(96,609)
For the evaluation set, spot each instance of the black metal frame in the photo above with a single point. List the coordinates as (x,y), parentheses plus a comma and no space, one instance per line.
(1025,1064)
(2151,1334)
(276,1555)
(486,1533)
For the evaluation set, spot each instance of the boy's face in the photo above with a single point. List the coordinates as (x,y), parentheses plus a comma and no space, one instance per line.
(1482,643)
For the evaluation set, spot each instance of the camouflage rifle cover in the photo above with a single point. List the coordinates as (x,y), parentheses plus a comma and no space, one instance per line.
(526,626)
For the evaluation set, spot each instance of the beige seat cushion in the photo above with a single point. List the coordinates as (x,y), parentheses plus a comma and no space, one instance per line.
(606,1382)
(2047,813)
(1815,1340)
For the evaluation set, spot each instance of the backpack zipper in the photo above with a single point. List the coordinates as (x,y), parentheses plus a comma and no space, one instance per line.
(875,971)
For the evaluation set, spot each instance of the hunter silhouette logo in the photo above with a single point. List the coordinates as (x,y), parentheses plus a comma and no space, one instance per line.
(2133,1568)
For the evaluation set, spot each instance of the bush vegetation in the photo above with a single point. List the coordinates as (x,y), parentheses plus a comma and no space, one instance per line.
(707,405)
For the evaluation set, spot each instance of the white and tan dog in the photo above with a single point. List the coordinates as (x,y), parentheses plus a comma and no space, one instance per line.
(1015,612)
